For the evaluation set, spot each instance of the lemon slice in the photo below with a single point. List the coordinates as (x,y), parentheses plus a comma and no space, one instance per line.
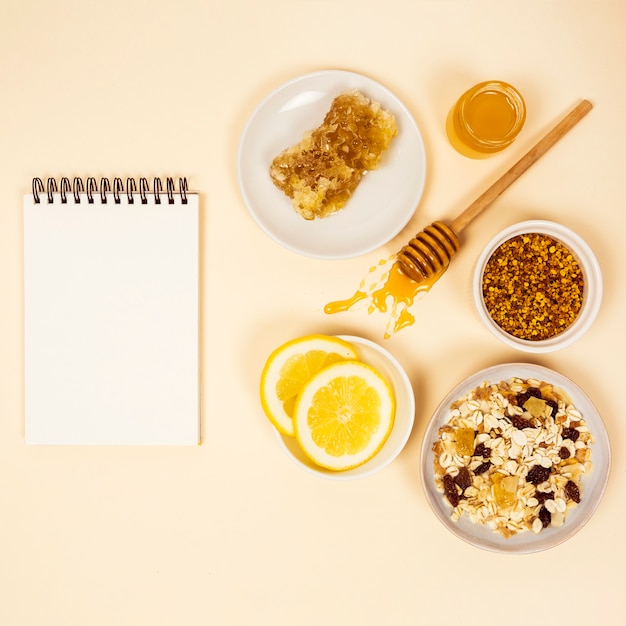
(290,366)
(344,415)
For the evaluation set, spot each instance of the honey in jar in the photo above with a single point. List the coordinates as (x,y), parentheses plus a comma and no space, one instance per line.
(486,119)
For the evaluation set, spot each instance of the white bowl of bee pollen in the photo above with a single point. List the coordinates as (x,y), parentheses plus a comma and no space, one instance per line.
(379,358)
(591,294)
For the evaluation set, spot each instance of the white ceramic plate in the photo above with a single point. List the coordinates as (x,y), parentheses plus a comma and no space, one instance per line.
(376,356)
(383,202)
(593,485)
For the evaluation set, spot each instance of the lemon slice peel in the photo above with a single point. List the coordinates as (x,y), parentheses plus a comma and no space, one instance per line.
(344,415)
(290,366)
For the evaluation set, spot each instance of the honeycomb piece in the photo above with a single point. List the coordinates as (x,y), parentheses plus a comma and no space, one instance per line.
(321,172)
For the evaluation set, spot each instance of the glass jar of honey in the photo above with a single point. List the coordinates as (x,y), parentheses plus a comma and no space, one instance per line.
(486,119)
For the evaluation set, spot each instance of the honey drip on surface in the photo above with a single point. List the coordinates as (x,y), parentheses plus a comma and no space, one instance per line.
(387,289)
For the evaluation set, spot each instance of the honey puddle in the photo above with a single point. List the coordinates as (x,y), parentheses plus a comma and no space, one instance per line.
(387,290)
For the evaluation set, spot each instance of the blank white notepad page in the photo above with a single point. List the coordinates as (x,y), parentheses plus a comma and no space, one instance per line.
(111,321)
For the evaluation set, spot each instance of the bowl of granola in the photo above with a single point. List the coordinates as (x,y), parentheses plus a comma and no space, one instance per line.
(537,286)
(515,459)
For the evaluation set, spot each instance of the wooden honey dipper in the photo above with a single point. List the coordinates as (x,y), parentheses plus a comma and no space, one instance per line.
(430,251)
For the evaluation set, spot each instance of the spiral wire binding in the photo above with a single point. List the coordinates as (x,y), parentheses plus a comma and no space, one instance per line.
(91,188)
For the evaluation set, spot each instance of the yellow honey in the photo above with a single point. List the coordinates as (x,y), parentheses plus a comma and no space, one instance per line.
(486,119)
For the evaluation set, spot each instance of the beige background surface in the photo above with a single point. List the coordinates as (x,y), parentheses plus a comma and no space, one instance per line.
(232,532)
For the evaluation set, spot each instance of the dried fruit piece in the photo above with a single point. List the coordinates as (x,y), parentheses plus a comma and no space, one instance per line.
(564,453)
(463,479)
(464,438)
(505,489)
(538,474)
(482,468)
(554,405)
(545,516)
(572,491)
(535,406)
(570,433)
(542,496)
(482,450)
(531,392)
(520,422)
(449,490)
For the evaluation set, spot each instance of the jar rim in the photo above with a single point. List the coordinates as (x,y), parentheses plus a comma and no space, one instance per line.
(518,106)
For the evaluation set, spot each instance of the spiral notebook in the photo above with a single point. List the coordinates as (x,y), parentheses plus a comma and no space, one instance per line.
(111,271)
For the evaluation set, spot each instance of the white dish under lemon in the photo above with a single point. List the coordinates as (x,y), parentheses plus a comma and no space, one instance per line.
(594,484)
(382,204)
(379,358)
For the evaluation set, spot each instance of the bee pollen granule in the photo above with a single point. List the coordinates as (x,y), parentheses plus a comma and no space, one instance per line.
(532,287)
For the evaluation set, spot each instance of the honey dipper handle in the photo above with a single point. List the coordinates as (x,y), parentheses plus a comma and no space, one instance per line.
(510,176)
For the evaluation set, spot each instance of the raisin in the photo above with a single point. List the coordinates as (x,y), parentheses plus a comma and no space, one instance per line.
(520,422)
(542,496)
(522,397)
(545,517)
(572,491)
(538,474)
(570,433)
(449,489)
(463,479)
(482,450)
(564,453)
(482,468)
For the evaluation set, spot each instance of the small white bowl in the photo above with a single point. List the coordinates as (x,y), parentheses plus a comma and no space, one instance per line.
(379,358)
(592,289)
(594,485)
